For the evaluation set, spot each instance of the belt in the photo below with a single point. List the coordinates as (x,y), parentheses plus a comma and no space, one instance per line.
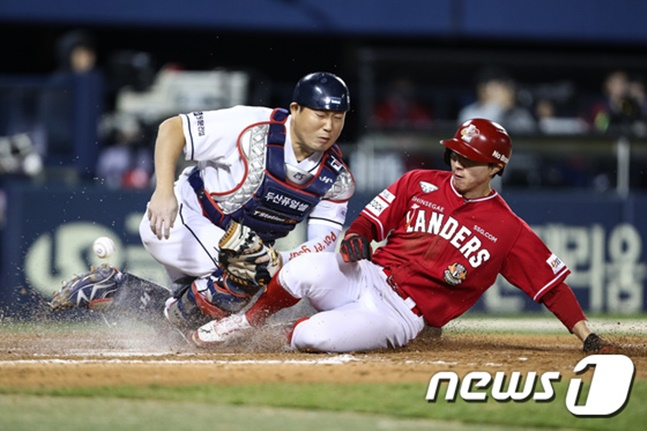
(402,294)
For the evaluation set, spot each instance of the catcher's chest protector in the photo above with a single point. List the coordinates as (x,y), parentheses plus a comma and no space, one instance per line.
(266,202)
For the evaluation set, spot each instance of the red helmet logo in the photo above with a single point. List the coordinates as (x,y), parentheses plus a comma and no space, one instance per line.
(469,132)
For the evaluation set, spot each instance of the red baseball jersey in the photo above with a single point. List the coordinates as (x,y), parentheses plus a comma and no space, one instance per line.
(445,251)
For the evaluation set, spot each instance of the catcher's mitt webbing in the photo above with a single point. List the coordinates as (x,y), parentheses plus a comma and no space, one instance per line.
(240,239)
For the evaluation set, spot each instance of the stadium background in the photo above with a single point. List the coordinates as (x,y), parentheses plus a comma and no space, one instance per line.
(60,374)
(562,49)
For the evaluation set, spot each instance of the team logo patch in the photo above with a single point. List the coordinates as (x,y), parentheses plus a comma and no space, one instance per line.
(468,133)
(428,187)
(555,263)
(455,274)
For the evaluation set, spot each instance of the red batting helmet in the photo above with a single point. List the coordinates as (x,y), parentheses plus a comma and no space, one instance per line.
(480,140)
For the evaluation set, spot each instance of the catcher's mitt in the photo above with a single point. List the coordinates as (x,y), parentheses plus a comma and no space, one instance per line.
(244,258)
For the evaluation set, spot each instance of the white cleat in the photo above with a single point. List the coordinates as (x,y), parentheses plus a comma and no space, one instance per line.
(221,331)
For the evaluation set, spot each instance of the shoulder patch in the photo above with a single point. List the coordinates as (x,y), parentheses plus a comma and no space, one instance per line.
(387,196)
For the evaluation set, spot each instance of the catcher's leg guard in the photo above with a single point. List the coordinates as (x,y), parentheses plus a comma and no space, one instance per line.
(183,312)
(140,298)
(207,299)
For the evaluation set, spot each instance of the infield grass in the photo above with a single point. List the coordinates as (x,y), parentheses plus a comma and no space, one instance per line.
(291,406)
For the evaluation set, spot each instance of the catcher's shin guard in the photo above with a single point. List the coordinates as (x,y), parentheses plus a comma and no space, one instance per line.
(182,311)
(140,298)
(206,299)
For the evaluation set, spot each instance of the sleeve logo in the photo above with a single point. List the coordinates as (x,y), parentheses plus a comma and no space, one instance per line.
(380,203)
(555,263)
(387,196)
(376,206)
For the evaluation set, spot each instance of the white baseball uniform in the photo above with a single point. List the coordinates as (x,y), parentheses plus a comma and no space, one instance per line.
(357,309)
(216,141)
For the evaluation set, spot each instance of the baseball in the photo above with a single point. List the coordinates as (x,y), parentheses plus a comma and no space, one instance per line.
(103,247)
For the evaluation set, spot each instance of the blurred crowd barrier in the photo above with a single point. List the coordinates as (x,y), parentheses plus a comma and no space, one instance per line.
(576,122)
(591,163)
(602,240)
(404,102)
(49,124)
(581,189)
(57,127)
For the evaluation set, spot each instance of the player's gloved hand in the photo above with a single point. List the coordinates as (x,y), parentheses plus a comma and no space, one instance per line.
(595,344)
(354,248)
(244,257)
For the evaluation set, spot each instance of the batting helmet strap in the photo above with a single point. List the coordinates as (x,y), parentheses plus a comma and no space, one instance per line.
(322,90)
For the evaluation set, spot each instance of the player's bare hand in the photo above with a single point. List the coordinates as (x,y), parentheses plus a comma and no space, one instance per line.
(162,211)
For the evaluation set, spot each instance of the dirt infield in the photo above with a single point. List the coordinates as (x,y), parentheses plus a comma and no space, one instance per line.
(53,355)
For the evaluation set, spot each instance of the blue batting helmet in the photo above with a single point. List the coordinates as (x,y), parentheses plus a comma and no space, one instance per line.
(322,90)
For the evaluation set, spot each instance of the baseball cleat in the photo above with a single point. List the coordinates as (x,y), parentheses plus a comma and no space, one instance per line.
(93,290)
(221,331)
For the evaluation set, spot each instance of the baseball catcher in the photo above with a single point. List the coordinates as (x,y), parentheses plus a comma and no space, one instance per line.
(255,174)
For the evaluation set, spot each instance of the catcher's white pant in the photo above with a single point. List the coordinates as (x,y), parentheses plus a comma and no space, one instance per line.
(191,248)
(358,309)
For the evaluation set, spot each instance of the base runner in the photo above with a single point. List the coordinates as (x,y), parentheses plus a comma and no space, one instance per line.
(448,235)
